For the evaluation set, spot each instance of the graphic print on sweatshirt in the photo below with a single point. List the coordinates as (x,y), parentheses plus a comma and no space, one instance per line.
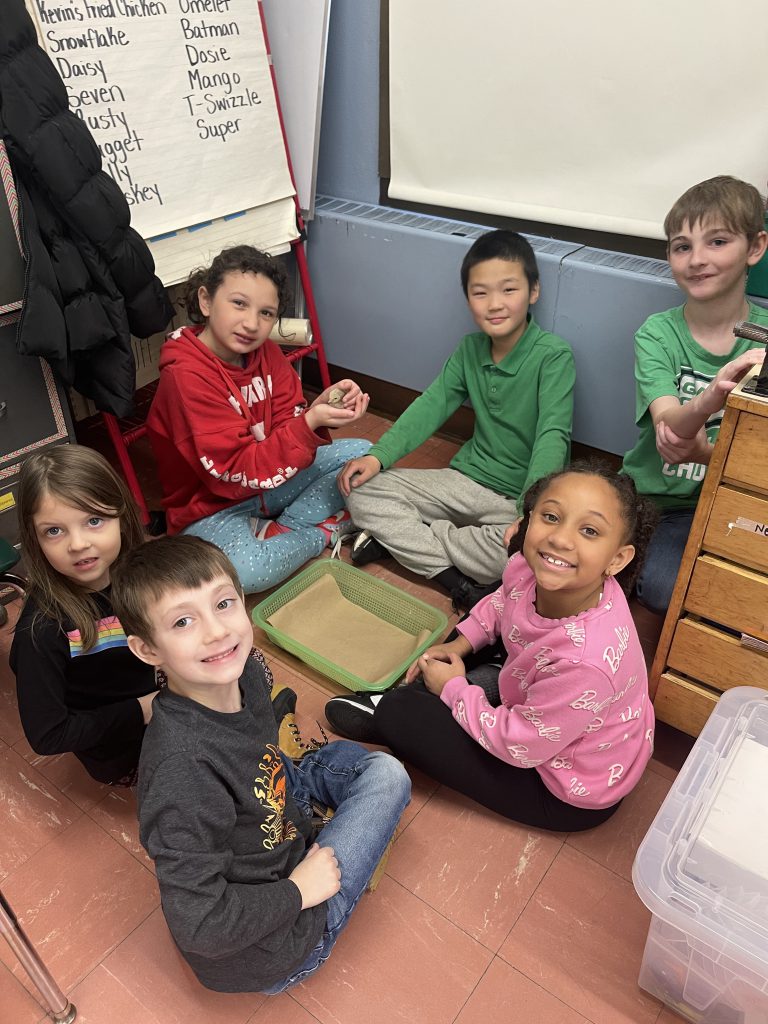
(109,633)
(691,382)
(269,790)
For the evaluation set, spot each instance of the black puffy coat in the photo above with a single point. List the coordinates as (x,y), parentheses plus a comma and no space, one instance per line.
(90,278)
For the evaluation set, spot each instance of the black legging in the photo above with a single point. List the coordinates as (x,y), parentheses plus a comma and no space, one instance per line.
(419,729)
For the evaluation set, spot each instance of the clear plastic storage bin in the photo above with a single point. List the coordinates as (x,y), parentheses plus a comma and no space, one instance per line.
(702,870)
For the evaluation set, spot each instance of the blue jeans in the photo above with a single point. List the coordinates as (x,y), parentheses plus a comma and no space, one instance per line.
(369,791)
(300,503)
(662,560)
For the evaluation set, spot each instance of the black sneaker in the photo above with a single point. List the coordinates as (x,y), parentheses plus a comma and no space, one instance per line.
(466,594)
(367,549)
(352,716)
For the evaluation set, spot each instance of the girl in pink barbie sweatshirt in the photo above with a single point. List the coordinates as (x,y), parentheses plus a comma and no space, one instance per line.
(570,729)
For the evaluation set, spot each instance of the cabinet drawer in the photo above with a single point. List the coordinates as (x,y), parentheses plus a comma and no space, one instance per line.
(738,528)
(715,658)
(34,414)
(746,459)
(728,594)
(684,704)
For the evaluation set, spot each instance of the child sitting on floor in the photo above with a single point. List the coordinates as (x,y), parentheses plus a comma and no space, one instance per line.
(571,728)
(687,360)
(242,461)
(448,524)
(252,902)
(79,687)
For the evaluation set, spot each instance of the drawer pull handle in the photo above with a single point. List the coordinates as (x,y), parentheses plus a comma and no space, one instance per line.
(3,409)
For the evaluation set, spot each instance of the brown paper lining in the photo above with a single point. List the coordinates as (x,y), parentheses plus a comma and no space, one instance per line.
(330,625)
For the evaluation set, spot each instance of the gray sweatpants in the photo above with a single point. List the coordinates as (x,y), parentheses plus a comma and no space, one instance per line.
(431,519)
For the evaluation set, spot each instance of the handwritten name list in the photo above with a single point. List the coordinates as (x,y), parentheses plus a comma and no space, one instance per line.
(179,98)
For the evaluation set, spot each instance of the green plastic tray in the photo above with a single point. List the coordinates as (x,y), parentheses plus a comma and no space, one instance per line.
(375,596)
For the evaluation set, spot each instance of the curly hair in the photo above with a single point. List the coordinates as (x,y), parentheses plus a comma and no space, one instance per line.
(244,259)
(638,512)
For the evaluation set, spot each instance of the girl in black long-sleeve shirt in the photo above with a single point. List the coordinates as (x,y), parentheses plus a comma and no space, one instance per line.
(79,687)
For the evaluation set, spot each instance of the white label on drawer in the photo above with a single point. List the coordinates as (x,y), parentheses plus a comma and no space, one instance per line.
(7,501)
(742,523)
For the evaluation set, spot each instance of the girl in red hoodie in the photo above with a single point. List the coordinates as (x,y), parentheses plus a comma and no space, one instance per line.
(243,461)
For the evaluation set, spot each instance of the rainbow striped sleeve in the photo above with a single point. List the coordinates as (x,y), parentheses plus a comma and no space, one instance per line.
(109,634)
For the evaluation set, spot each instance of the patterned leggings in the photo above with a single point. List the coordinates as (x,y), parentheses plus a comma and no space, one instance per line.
(300,503)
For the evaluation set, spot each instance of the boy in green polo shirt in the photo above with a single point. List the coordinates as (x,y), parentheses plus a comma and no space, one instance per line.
(687,361)
(448,524)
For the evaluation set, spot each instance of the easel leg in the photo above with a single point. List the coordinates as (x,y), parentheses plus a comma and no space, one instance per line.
(61,1009)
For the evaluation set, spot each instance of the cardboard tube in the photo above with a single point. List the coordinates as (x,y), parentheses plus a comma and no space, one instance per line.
(292,331)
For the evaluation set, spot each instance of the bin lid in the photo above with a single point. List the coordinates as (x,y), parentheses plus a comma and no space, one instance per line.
(703,865)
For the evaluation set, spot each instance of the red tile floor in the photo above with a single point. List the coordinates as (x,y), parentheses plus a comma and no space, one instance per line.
(476,918)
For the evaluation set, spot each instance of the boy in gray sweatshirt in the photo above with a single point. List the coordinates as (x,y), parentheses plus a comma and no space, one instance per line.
(251,901)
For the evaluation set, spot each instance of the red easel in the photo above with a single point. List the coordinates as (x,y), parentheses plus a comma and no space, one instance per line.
(122,435)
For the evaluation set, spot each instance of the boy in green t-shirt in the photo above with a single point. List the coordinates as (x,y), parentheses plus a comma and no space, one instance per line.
(448,524)
(687,361)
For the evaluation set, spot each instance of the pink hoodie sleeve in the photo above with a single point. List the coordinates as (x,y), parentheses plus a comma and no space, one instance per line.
(531,733)
(483,624)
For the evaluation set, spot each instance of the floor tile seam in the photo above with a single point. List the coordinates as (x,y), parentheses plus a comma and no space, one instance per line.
(478,942)
(536,888)
(48,782)
(599,863)
(607,867)
(121,846)
(476,986)
(409,823)
(296,1001)
(113,949)
(132,993)
(540,982)
(4,878)
(9,744)
(35,997)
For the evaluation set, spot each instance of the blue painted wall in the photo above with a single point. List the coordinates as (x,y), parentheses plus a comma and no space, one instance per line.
(349,138)
(388,294)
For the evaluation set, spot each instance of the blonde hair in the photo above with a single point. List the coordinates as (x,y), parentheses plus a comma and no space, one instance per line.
(147,573)
(84,479)
(737,203)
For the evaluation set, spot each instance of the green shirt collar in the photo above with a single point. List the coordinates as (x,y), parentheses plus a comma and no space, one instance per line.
(510,363)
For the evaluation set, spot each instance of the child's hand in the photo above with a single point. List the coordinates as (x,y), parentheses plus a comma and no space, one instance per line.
(675,449)
(350,389)
(317,877)
(511,531)
(436,672)
(146,705)
(356,472)
(320,414)
(712,399)
(440,652)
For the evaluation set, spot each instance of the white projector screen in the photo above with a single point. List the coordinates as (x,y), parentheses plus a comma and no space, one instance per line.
(594,114)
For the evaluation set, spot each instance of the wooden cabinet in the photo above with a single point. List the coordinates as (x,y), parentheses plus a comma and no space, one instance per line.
(715,634)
